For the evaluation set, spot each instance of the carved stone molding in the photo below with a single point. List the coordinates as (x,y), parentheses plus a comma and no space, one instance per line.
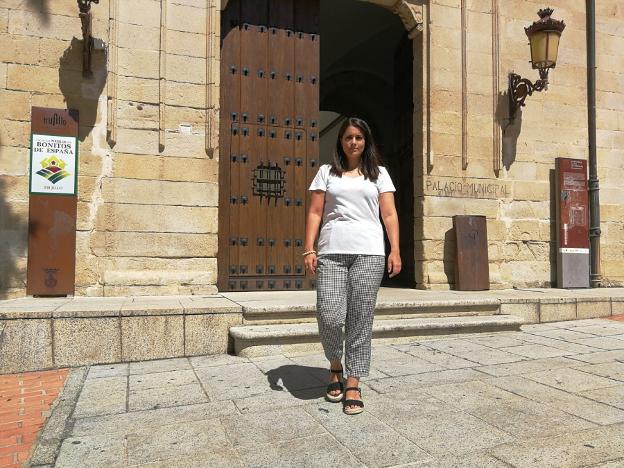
(411,15)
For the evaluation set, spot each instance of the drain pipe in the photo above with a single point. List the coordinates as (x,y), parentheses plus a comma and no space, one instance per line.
(594,187)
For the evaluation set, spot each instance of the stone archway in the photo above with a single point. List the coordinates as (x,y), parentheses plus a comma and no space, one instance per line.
(410,12)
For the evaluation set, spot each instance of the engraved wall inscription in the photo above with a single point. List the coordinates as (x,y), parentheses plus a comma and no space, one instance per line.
(463,187)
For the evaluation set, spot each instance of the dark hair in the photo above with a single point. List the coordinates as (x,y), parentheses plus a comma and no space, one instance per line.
(371,160)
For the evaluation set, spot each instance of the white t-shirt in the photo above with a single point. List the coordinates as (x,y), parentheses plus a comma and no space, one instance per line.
(351,222)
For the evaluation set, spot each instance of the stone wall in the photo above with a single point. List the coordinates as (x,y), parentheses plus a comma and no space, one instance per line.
(148,170)
(467,136)
(148,194)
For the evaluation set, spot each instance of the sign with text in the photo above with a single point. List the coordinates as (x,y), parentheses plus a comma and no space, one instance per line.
(52,202)
(53,164)
(572,209)
(465,187)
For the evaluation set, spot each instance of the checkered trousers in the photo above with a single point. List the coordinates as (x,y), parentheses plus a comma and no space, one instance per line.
(346,292)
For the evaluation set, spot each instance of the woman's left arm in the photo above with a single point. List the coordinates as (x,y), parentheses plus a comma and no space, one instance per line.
(391,221)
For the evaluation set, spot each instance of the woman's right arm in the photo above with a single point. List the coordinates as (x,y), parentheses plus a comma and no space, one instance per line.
(313,222)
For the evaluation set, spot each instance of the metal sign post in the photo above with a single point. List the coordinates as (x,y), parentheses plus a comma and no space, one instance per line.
(52,202)
(572,223)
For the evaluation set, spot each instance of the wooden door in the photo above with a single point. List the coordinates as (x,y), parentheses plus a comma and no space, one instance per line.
(269,145)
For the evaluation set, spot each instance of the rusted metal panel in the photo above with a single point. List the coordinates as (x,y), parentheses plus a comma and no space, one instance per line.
(268,114)
(52,219)
(472,271)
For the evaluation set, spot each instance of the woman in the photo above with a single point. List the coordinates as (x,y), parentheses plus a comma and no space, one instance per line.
(347,196)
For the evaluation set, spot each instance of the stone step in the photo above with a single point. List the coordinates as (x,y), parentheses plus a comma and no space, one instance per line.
(288,313)
(270,339)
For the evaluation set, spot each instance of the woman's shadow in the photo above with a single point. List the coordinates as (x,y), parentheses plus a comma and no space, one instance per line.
(302,382)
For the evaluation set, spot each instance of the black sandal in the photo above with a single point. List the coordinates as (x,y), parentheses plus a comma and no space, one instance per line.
(358,403)
(335,386)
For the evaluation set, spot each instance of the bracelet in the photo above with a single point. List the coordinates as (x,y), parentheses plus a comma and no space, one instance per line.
(309,252)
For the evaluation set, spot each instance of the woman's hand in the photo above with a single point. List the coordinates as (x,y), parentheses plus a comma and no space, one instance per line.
(391,221)
(394,264)
(310,263)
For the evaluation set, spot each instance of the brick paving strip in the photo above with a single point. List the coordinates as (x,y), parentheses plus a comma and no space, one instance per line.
(25,404)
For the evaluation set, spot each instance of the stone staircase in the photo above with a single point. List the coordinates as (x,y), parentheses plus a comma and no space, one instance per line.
(280,326)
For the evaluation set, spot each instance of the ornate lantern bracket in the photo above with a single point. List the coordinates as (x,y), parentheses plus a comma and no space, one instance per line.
(544,36)
(87,38)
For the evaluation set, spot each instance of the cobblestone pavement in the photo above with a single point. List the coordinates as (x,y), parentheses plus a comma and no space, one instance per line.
(550,395)
(25,401)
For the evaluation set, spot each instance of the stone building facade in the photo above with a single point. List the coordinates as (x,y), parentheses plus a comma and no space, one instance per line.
(148,184)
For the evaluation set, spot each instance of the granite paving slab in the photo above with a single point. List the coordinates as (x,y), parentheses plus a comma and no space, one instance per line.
(600,357)
(224,457)
(603,330)
(448,431)
(406,365)
(165,396)
(608,343)
(564,334)
(559,344)
(270,427)
(613,396)
(578,449)
(584,323)
(435,356)
(94,451)
(524,367)
(385,353)
(176,440)
(106,395)
(160,365)
(319,450)
(279,399)
(172,378)
(571,380)
(507,411)
(611,370)
(406,384)
(373,442)
(216,360)
(139,421)
(468,460)
(233,381)
(536,351)
(570,403)
(498,341)
(466,349)
(108,370)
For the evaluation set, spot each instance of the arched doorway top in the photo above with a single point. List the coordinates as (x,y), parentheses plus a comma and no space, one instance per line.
(410,12)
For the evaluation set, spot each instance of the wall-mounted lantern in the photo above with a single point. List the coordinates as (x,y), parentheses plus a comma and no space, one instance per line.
(544,36)
(87,38)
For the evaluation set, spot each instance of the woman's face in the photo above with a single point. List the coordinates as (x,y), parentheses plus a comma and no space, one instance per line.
(353,142)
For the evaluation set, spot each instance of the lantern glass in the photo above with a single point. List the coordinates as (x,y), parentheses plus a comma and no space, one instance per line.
(544,48)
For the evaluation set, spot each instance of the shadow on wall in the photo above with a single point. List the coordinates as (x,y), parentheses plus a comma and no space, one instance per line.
(41,7)
(553,229)
(510,127)
(82,93)
(450,248)
(13,243)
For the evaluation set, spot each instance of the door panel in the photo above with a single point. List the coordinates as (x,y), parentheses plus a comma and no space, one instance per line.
(268,141)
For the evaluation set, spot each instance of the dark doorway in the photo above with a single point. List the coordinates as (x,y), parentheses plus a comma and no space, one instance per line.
(366,71)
